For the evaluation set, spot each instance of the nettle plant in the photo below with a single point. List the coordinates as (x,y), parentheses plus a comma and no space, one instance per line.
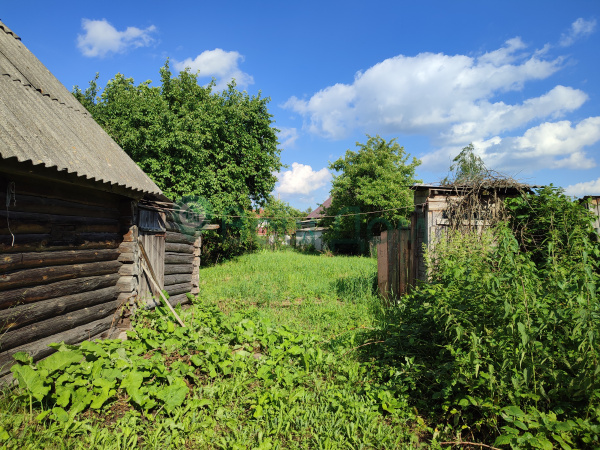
(504,341)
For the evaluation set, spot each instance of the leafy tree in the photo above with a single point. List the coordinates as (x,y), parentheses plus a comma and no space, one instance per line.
(467,168)
(281,217)
(375,178)
(194,142)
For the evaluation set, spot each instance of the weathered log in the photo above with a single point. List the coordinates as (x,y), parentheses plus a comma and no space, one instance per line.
(15,261)
(171,269)
(39,349)
(175,289)
(129,269)
(127,283)
(177,278)
(45,328)
(179,248)
(178,258)
(190,230)
(49,242)
(31,223)
(179,238)
(127,257)
(21,315)
(44,275)
(179,298)
(55,290)
(41,205)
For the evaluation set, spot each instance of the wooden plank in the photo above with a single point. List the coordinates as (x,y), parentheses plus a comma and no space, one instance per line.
(127,283)
(178,258)
(179,248)
(171,269)
(45,328)
(382,265)
(393,263)
(177,278)
(182,288)
(39,349)
(55,290)
(44,275)
(49,242)
(21,315)
(15,261)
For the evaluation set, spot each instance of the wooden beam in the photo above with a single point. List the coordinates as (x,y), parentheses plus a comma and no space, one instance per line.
(45,328)
(177,278)
(45,275)
(55,290)
(178,258)
(182,288)
(180,238)
(179,248)
(171,269)
(49,242)
(21,315)
(16,261)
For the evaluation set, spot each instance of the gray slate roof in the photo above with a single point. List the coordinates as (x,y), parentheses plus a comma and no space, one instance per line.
(42,122)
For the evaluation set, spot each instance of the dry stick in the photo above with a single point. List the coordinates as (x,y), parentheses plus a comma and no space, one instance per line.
(469,443)
(150,273)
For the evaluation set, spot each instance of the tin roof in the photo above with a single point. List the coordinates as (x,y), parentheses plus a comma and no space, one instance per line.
(43,123)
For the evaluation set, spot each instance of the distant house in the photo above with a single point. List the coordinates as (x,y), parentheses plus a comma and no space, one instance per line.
(309,233)
(77,217)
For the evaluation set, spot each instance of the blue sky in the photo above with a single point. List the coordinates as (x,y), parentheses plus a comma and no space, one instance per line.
(518,79)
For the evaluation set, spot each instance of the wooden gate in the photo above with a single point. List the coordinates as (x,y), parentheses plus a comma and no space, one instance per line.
(395,263)
(152,233)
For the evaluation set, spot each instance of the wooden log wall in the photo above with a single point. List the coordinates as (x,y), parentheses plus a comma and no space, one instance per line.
(62,256)
(181,264)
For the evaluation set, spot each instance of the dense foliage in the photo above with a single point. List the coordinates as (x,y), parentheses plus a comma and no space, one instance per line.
(193,142)
(279,218)
(504,344)
(374,178)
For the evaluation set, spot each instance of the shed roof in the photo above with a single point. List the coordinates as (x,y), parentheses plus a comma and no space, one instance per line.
(41,122)
(320,211)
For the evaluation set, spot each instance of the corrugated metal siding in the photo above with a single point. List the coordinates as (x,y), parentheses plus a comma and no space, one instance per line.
(41,122)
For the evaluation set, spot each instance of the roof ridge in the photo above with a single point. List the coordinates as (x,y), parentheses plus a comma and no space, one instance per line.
(8,30)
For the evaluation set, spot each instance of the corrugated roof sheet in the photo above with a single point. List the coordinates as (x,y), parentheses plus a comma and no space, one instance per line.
(42,122)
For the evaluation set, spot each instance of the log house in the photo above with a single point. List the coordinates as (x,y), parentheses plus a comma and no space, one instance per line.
(75,209)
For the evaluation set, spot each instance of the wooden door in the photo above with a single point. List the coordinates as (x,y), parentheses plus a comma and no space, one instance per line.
(152,233)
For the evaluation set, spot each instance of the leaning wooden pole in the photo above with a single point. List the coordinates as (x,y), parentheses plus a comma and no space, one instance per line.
(147,267)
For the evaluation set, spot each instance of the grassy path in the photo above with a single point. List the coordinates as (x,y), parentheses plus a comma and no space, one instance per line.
(268,360)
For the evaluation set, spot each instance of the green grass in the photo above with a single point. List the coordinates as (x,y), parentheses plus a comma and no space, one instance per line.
(269,357)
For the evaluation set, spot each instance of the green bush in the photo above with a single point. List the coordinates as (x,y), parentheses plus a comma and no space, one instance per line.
(504,342)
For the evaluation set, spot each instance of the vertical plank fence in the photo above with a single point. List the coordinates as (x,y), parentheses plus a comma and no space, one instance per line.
(395,264)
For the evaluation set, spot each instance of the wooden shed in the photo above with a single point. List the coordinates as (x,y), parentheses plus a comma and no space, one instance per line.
(76,215)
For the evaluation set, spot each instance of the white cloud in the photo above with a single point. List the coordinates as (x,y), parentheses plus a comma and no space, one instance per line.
(302,179)
(550,145)
(448,97)
(101,38)
(579,28)
(219,64)
(585,188)
(288,137)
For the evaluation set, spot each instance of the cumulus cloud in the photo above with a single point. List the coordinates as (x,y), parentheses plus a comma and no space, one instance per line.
(302,179)
(220,64)
(449,97)
(101,38)
(288,136)
(586,188)
(580,28)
